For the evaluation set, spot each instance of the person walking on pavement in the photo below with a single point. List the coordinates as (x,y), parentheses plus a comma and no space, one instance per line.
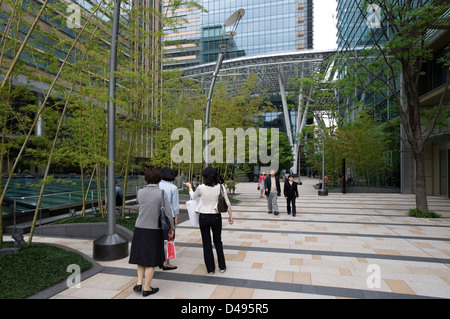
(291,193)
(147,246)
(262,178)
(210,219)
(119,197)
(168,176)
(272,190)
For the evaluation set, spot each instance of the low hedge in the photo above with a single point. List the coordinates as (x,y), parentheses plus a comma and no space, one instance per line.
(35,268)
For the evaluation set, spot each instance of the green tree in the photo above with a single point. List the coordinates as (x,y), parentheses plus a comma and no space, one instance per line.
(362,144)
(74,113)
(317,98)
(392,69)
(184,103)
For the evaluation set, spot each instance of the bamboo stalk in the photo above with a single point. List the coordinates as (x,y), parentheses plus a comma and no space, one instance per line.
(24,43)
(41,193)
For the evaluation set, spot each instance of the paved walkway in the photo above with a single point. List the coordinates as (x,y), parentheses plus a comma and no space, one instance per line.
(338,246)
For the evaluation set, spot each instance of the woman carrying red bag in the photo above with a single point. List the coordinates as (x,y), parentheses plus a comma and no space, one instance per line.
(147,246)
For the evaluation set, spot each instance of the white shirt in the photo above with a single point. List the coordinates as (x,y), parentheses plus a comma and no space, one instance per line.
(209,197)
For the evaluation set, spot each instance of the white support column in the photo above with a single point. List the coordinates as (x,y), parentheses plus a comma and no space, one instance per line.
(299,123)
(287,119)
(39,128)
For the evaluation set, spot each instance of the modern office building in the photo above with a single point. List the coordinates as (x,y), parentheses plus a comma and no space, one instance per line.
(49,44)
(353,28)
(270,31)
(268,26)
(353,34)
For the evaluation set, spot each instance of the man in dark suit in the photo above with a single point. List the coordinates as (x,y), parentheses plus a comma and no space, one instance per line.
(291,193)
(272,190)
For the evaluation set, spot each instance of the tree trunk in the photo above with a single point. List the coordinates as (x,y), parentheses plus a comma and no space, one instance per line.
(421,182)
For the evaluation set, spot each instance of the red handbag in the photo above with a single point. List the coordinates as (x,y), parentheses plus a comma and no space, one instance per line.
(171,253)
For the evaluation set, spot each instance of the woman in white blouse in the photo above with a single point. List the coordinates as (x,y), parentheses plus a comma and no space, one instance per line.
(210,219)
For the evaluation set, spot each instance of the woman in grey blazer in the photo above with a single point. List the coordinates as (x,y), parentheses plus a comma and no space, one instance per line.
(147,247)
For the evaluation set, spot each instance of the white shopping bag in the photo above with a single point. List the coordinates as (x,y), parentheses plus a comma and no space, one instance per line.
(191,206)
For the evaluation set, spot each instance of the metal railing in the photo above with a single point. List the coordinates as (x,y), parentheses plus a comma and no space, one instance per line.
(18,200)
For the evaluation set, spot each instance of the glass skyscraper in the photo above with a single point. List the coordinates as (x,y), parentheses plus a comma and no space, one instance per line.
(356,33)
(268,26)
(354,29)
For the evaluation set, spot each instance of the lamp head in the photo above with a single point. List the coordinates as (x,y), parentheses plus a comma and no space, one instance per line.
(235,17)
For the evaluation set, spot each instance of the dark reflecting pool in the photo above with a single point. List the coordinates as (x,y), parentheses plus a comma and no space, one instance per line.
(23,192)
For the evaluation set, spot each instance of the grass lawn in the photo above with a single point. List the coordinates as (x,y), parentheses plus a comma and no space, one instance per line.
(35,268)
(415,212)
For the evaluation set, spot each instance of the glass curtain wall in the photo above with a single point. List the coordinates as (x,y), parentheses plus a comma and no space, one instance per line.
(359,24)
(268,26)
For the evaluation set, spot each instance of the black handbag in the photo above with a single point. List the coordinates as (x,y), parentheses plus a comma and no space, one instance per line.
(164,222)
(222,206)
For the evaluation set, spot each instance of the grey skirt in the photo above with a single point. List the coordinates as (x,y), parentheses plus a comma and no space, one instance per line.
(147,247)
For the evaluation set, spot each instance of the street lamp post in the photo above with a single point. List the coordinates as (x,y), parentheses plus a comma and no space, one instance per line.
(208,104)
(227,36)
(112,246)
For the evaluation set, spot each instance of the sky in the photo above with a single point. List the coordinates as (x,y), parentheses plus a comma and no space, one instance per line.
(325,24)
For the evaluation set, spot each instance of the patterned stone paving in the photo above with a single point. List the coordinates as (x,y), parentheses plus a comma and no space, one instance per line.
(338,246)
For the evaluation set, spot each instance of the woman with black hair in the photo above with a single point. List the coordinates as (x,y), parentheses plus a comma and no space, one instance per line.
(210,219)
(147,246)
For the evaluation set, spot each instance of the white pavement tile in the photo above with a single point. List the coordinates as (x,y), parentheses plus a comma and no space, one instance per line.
(359,224)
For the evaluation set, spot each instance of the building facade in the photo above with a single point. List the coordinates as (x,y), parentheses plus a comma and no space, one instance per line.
(57,28)
(355,26)
(268,26)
